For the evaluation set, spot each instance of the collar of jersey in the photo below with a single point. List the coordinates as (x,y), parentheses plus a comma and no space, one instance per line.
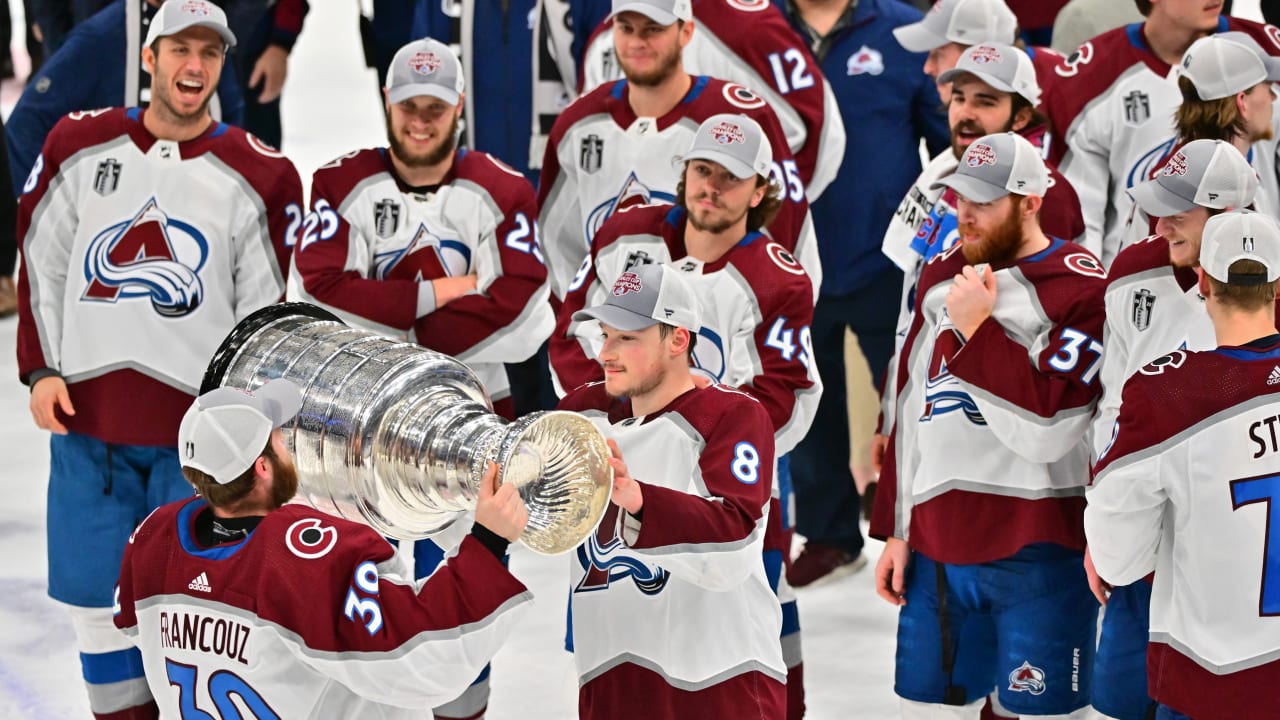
(1054,244)
(187,538)
(1138,40)
(213,131)
(695,89)
(676,215)
(1265,348)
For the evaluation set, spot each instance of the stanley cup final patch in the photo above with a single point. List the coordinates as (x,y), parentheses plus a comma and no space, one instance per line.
(1143,301)
(591,154)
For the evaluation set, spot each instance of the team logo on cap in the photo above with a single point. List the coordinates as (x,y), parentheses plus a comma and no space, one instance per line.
(727,133)
(1177,165)
(984,54)
(980,154)
(628,282)
(195,7)
(425,63)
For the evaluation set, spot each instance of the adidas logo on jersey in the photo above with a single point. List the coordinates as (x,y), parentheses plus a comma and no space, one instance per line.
(201,583)
(1274,377)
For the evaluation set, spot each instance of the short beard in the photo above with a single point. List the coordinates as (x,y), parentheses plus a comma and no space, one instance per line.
(647,387)
(713,228)
(161,102)
(957,149)
(665,69)
(1001,245)
(429,159)
(285,483)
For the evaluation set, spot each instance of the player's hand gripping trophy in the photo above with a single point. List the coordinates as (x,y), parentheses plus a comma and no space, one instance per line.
(398,436)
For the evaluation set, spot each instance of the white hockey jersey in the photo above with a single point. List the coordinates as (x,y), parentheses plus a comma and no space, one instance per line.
(310,616)
(138,256)
(1017,396)
(1113,111)
(673,615)
(603,158)
(371,241)
(756,305)
(771,59)
(1188,489)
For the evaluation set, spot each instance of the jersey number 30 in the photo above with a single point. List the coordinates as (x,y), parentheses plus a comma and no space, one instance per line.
(222,685)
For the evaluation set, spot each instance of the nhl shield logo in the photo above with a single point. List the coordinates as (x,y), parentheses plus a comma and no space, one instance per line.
(107,178)
(591,155)
(1143,301)
(386,217)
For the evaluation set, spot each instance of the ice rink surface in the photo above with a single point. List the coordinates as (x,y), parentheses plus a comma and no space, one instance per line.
(332,106)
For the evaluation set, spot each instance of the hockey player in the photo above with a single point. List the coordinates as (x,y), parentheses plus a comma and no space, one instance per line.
(145,236)
(426,240)
(756,306)
(1226,95)
(1113,104)
(770,59)
(293,612)
(953,26)
(1154,308)
(1187,489)
(983,548)
(612,148)
(681,541)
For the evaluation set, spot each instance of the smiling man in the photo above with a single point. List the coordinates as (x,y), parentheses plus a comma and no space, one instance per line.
(145,236)
(984,548)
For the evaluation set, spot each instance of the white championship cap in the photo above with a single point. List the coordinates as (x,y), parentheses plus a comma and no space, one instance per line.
(225,430)
(967,22)
(645,296)
(1240,235)
(996,165)
(175,16)
(663,12)
(425,67)
(1003,67)
(735,141)
(1205,173)
(1223,65)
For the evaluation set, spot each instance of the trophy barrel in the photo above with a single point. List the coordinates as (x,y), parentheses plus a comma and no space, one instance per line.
(398,436)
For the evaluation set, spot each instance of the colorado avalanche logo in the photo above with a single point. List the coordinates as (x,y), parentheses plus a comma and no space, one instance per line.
(980,154)
(425,63)
(309,539)
(1172,361)
(1150,164)
(1027,678)
(866,61)
(633,193)
(727,133)
(943,393)
(628,282)
(1085,264)
(149,256)
(1177,165)
(426,256)
(602,569)
(985,54)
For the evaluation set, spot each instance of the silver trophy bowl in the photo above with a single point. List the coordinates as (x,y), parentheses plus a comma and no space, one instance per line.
(397,436)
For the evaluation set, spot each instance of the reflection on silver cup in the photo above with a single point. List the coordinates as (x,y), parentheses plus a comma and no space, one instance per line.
(397,436)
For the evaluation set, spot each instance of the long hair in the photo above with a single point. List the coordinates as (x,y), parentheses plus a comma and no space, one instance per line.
(1198,119)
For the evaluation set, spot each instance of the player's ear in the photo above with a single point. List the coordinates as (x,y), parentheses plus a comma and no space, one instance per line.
(686,31)
(1031,205)
(1021,119)
(1202,280)
(149,60)
(462,99)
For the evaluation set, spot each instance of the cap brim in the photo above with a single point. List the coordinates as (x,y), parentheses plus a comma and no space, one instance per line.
(971,188)
(993,81)
(223,31)
(1157,201)
(616,317)
(659,16)
(739,169)
(917,38)
(1272,64)
(412,90)
(281,401)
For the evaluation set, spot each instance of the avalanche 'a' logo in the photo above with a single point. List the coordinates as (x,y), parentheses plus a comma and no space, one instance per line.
(1027,678)
(426,256)
(151,256)
(709,354)
(1149,165)
(942,391)
(603,567)
(632,193)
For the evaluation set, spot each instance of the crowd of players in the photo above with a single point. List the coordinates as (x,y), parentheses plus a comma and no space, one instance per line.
(714,210)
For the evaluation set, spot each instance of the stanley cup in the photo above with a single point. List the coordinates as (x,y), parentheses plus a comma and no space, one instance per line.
(397,436)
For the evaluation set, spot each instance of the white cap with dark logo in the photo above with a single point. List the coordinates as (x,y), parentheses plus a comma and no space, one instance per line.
(645,296)
(225,430)
(1003,67)
(1240,235)
(425,67)
(1225,64)
(175,16)
(996,165)
(1203,173)
(735,141)
(967,22)
(663,12)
